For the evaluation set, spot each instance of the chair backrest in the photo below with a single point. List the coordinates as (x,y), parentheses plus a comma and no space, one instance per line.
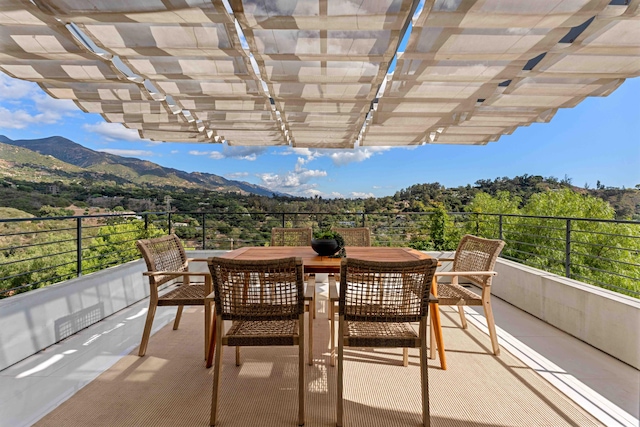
(477,254)
(164,253)
(356,236)
(258,289)
(291,236)
(377,291)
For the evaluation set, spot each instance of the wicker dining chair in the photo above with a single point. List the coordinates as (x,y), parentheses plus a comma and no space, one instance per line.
(377,302)
(474,262)
(291,236)
(264,301)
(281,236)
(167,261)
(355,236)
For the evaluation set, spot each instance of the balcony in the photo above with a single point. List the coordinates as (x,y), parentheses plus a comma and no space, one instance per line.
(83,375)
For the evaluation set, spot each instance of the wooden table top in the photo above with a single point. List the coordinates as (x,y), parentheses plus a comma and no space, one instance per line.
(314,263)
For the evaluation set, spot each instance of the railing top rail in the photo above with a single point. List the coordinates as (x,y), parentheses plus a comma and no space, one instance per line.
(58,218)
(111,215)
(617,221)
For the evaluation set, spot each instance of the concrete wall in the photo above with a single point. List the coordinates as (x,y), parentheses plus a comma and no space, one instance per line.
(37,319)
(604,319)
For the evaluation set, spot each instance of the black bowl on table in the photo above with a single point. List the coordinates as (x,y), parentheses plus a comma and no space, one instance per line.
(325,247)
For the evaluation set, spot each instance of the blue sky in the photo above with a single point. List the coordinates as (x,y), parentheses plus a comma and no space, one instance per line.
(597,140)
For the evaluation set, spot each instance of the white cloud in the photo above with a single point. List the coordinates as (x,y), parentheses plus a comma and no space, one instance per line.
(17,119)
(344,157)
(339,157)
(234,152)
(128,153)
(359,195)
(46,103)
(237,175)
(242,153)
(16,89)
(174,151)
(216,155)
(32,106)
(112,131)
(296,182)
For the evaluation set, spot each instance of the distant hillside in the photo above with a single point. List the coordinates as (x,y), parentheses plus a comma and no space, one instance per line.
(13,213)
(58,158)
(626,202)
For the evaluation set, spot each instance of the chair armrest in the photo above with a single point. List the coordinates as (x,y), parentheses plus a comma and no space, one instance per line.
(333,289)
(311,287)
(433,300)
(177,273)
(446,259)
(197,259)
(465,273)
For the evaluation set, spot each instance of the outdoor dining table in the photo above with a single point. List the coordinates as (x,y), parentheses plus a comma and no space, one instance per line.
(314,263)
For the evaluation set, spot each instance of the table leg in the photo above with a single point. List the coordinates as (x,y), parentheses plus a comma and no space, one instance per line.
(437,329)
(437,325)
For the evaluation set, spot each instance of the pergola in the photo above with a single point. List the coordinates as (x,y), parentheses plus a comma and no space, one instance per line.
(320,73)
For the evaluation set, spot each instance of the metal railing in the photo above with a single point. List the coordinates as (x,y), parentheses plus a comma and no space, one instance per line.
(37,252)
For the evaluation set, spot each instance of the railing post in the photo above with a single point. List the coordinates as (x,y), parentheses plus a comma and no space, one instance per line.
(231,243)
(363,219)
(283,220)
(204,234)
(79,246)
(500,226)
(478,224)
(567,250)
(169,223)
(146,222)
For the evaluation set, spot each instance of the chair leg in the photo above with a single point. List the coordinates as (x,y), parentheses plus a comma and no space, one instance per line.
(212,344)
(147,330)
(313,303)
(216,373)
(432,342)
(178,315)
(463,320)
(311,332)
(488,313)
(340,372)
(405,357)
(301,381)
(424,376)
(207,329)
(237,356)
(332,325)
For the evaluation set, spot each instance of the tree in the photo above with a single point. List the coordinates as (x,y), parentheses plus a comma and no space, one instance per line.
(602,253)
(503,203)
(115,243)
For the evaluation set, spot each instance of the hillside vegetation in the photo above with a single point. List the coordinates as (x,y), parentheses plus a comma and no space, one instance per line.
(59,159)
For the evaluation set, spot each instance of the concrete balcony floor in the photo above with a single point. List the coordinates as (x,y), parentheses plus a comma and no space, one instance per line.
(543,377)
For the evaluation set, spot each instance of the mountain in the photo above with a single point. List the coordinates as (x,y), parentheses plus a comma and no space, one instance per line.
(60,157)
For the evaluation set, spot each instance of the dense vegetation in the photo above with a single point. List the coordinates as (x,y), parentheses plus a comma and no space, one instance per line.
(31,196)
(602,253)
